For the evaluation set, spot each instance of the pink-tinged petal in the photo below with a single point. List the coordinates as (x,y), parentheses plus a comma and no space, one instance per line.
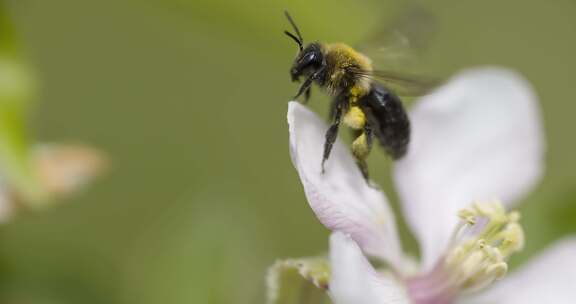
(354,280)
(477,138)
(340,198)
(549,278)
(63,169)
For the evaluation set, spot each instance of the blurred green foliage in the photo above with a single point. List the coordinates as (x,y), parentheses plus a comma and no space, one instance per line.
(189,99)
(16,91)
(298,281)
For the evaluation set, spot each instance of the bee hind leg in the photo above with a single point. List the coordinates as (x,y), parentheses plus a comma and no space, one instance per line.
(361,149)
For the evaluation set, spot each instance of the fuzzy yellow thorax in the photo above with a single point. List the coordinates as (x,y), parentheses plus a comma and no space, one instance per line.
(341,57)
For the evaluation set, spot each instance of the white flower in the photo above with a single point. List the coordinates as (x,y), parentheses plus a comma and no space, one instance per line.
(476,149)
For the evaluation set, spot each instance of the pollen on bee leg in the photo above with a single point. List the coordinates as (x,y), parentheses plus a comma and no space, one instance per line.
(360,147)
(355,118)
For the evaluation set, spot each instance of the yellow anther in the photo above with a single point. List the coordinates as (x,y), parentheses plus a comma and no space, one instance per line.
(485,240)
(512,238)
(497,271)
(468,215)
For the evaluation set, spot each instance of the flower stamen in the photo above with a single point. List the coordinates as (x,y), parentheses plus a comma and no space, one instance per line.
(477,255)
(488,236)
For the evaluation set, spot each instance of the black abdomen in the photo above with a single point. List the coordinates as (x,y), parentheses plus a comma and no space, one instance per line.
(388,119)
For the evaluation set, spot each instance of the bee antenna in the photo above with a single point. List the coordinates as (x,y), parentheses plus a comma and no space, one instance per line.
(295,39)
(298,36)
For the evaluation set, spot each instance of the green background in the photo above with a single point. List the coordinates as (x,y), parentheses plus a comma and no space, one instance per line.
(188,99)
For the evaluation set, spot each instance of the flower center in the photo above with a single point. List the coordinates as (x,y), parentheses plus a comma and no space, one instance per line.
(482,242)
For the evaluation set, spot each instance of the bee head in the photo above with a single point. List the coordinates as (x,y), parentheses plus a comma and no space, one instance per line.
(309,59)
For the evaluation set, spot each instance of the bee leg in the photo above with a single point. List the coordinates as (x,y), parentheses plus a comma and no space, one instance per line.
(305,87)
(361,149)
(332,109)
(307,95)
(332,132)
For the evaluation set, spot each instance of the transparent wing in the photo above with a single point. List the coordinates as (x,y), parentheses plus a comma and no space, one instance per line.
(396,48)
(399,43)
(406,84)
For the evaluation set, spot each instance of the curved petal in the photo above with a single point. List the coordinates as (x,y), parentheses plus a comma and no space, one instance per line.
(340,197)
(549,278)
(354,280)
(477,138)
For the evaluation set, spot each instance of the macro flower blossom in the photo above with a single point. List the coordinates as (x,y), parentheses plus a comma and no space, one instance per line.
(477,148)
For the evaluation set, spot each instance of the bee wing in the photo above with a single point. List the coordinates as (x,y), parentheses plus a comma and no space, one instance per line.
(399,43)
(397,46)
(401,83)
(406,84)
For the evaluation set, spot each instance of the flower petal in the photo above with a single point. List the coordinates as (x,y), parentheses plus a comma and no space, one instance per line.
(340,197)
(549,278)
(478,138)
(354,280)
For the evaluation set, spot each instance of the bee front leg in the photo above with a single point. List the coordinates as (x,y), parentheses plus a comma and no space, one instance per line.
(306,85)
(332,132)
(307,95)
(361,148)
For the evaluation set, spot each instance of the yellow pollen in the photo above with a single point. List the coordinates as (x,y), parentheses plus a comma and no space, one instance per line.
(356,91)
(355,118)
(360,147)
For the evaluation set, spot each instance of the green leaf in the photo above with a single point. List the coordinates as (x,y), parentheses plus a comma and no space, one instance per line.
(16,92)
(298,281)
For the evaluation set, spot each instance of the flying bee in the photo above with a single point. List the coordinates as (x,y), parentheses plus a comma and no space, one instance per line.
(363,104)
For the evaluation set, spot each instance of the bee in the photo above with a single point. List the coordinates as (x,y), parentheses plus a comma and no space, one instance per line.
(363,104)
